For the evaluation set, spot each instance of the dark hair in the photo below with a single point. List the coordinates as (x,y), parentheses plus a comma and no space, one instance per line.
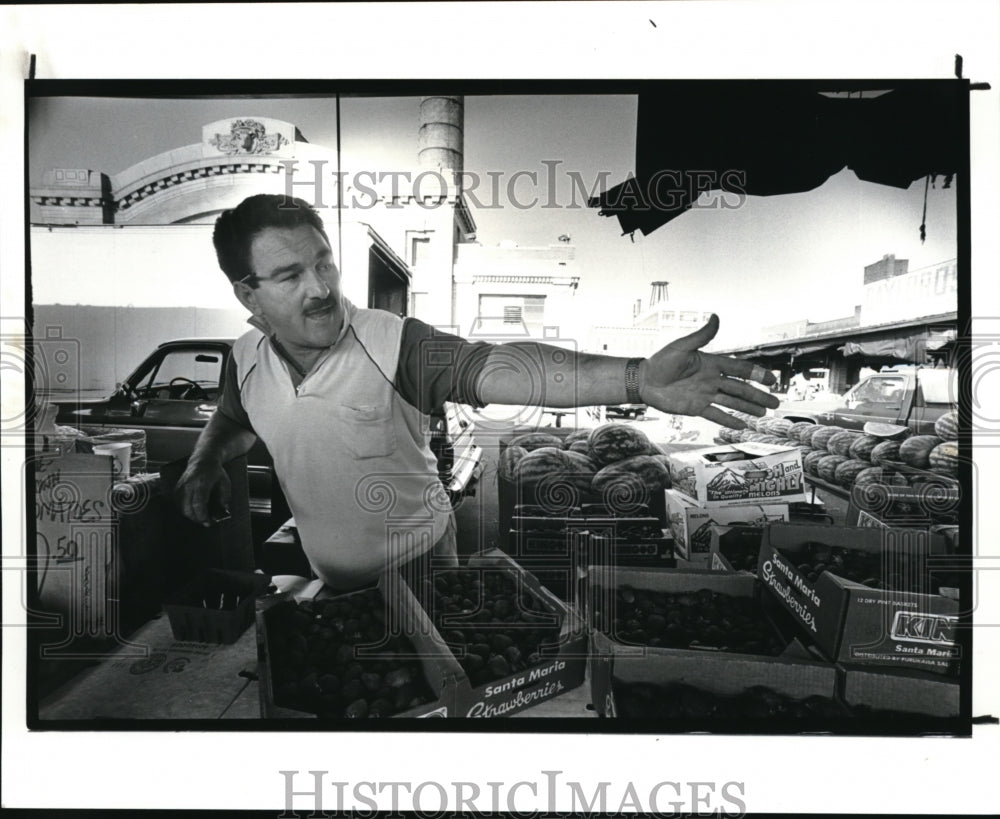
(235,229)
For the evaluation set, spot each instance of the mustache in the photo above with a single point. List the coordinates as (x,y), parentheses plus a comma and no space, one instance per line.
(321,304)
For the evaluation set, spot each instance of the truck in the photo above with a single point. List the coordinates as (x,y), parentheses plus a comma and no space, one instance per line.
(914,397)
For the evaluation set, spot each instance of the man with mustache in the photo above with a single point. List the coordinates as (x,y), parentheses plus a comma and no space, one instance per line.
(339,393)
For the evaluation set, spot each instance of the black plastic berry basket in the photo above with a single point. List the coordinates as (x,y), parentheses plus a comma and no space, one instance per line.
(217,606)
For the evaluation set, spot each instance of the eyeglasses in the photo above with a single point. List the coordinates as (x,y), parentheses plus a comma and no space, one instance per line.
(289,280)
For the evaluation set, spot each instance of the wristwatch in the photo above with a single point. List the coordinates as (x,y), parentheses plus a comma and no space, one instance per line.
(632,381)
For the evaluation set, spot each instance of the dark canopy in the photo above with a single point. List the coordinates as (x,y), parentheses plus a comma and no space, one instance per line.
(763,138)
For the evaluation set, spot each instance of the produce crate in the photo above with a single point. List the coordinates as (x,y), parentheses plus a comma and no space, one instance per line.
(543,623)
(735,548)
(853,622)
(702,675)
(691,523)
(405,634)
(217,606)
(898,694)
(745,473)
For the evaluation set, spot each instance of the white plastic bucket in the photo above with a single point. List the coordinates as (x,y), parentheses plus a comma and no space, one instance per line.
(121,452)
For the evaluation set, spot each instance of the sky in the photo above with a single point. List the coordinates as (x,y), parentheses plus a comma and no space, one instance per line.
(772,260)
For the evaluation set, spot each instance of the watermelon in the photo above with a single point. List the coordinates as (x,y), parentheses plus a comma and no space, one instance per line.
(873,475)
(826,467)
(846,472)
(728,435)
(536,440)
(539,463)
(795,430)
(811,461)
(579,446)
(821,438)
(806,435)
(744,435)
(885,452)
(777,426)
(946,427)
(890,432)
(616,442)
(944,457)
(840,444)
(774,440)
(507,463)
(575,437)
(862,446)
(649,469)
(916,451)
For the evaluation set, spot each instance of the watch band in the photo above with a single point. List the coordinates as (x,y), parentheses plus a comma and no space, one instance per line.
(632,381)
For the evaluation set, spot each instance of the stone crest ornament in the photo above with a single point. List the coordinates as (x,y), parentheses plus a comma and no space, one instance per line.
(247,136)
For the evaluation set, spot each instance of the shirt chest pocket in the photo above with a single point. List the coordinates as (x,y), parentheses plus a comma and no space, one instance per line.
(368,430)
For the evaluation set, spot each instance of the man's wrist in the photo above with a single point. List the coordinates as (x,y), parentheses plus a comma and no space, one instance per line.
(634,380)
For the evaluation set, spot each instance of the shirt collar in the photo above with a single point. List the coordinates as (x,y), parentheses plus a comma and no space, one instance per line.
(262,324)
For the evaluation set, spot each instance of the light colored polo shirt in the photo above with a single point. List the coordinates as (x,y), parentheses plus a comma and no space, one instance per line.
(351,455)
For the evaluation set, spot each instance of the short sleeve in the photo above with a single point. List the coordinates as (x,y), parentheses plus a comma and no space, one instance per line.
(435,367)
(230,404)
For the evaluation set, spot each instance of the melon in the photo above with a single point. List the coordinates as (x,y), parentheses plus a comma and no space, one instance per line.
(726,434)
(774,440)
(811,461)
(915,451)
(539,463)
(616,442)
(778,426)
(846,472)
(946,427)
(536,440)
(840,444)
(862,446)
(575,437)
(885,452)
(872,476)
(944,457)
(806,435)
(507,463)
(826,467)
(821,438)
(579,446)
(649,469)
(795,430)
(890,432)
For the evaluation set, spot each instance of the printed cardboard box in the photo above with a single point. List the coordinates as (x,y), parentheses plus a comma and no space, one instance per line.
(406,617)
(691,522)
(854,623)
(899,692)
(746,473)
(563,662)
(718,673)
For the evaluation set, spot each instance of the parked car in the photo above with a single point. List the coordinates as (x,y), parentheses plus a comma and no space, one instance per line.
(174,391)
(913,397)
(626,411)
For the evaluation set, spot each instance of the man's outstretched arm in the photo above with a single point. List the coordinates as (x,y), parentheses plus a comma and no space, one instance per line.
(677,379)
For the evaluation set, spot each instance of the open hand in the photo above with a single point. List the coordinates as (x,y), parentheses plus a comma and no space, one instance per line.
(682,380)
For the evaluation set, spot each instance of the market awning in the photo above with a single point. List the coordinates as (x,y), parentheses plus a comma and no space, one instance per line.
(904,347)
(767,138)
